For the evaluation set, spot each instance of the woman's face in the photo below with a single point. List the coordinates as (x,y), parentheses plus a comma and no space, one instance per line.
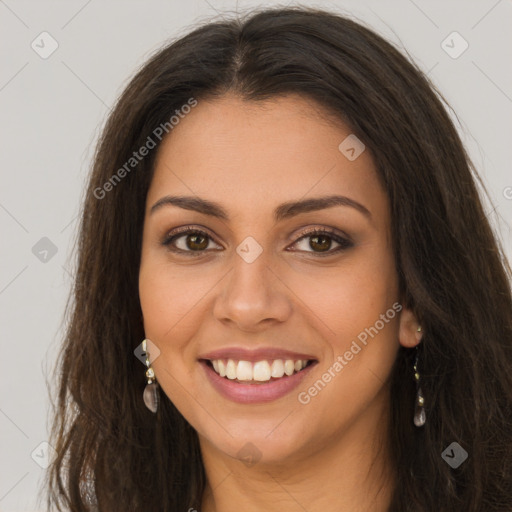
(256,287)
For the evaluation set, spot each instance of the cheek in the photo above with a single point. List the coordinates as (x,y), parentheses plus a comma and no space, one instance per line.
(175,303)
(155,301)
(351,297)
(170,308)
(359,310)
(167,296)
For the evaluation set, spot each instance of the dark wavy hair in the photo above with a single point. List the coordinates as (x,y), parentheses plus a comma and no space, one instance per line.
(452,272)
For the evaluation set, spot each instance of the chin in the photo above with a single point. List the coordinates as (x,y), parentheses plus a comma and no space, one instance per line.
(267,444)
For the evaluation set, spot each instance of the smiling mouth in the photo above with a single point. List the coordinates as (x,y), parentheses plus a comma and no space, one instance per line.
(258,372)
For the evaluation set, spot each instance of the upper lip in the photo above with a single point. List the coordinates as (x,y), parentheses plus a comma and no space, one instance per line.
(253,355)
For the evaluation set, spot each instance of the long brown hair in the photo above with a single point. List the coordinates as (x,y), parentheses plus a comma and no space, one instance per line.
(451,269)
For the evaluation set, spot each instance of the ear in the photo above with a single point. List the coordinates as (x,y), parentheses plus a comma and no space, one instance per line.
(408,334)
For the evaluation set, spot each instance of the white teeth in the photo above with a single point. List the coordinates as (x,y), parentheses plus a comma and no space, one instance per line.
(277,368)
(261,371)
(222,368)
(231,370)
(289,367)
(244,370)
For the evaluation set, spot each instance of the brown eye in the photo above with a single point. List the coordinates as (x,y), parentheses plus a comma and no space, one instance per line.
(188,240)
(196,241)
(320,242)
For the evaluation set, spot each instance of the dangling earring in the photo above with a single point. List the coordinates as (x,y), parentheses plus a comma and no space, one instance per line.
(150,395)
(419,410)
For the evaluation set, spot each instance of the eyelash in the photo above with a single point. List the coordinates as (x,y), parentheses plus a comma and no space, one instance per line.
(344,243)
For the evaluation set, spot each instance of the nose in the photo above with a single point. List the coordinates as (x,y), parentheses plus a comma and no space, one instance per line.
(252,296)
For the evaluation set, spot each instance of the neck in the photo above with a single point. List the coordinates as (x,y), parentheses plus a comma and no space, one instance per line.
(351,472)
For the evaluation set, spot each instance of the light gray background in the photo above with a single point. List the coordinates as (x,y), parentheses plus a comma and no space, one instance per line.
(52,110)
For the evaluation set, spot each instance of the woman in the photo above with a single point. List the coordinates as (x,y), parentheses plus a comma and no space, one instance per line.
(283,225)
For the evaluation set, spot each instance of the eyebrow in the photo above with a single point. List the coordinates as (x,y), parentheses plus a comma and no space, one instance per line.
(283,211)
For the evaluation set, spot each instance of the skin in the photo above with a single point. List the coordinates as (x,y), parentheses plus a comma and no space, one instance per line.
(251,157)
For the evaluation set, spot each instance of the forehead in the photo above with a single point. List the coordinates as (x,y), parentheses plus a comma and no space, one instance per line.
(249,154)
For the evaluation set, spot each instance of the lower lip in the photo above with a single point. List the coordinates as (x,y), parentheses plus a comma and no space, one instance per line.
(254,393)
